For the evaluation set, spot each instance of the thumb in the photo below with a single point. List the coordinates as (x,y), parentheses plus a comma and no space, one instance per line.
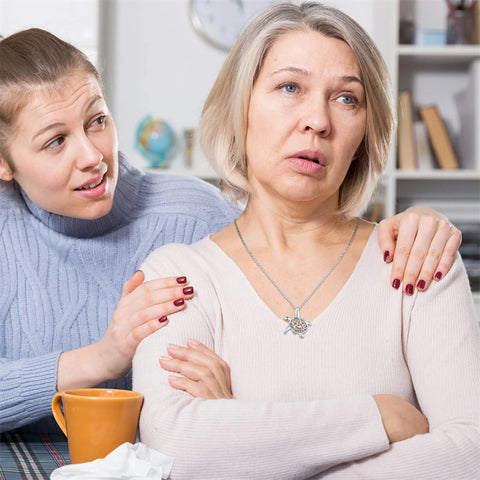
(135,281)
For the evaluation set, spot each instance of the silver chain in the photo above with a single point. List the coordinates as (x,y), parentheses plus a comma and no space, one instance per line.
(319,284)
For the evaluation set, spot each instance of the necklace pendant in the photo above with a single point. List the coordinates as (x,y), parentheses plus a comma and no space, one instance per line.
(296,324)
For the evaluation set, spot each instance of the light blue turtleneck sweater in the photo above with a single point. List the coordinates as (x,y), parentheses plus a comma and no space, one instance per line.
(61,277)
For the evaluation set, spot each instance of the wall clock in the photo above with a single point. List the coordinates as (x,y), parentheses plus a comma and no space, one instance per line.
(221,21)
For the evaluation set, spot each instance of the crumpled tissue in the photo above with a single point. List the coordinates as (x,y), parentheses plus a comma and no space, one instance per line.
(126,462)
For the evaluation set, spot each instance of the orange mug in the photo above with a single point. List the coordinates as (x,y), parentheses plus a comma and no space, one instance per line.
(96,420)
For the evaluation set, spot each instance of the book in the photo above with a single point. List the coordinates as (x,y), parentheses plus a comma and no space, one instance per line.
(406,138)
(425,160)
(439,139)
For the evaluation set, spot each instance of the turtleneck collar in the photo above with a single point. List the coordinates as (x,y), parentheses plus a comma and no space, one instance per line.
(125,199)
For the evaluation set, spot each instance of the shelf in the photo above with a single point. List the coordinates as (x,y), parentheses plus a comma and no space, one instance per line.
(445,52)
(460,174)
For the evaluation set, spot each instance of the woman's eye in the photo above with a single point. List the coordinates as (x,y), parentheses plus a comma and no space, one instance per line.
(289,88)
(98,121)
(347,99)
(57,142)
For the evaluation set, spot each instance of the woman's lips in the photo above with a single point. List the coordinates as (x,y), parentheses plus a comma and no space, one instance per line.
(309,162)
(94,184)
(95,187)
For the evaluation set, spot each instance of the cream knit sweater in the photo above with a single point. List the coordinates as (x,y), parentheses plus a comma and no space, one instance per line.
(303,408)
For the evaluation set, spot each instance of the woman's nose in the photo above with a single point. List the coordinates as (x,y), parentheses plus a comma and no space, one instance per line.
(316,118)
(87,155)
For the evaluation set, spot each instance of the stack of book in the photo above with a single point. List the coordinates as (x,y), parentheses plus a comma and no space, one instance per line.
(423,138)
(425,143)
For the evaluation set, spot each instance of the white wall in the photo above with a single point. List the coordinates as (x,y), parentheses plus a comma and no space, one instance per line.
(155,63)
(75,21)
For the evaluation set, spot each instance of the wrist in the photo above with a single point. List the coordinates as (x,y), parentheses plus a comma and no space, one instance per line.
(80,368)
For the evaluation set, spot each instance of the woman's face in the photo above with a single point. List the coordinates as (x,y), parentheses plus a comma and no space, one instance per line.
(64,152)
(306,119)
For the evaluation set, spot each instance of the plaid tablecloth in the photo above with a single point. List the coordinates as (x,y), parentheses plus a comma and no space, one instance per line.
(31,456)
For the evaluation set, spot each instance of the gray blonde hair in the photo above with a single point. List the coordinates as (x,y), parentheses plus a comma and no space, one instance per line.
(30,60)
(223,123)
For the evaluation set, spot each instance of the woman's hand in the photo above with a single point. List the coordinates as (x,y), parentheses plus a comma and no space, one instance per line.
(422,244)
(204,374)
(401,419)
(142,310)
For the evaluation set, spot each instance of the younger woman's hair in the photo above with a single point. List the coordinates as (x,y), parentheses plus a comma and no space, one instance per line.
(32,60)
(223,124)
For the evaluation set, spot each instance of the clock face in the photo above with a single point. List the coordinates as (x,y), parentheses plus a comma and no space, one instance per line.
(221,21)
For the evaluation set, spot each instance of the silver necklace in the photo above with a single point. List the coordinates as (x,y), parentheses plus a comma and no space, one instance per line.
(296,324)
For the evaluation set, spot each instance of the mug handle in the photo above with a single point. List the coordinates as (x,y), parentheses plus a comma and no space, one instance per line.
(57,412)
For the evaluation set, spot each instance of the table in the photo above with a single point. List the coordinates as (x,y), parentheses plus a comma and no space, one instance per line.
(31,456)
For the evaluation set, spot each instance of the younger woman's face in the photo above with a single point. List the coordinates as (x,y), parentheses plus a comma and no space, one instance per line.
(64,152)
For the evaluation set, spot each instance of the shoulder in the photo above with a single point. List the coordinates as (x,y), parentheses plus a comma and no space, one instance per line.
(188,196)
(371,258)
(12,205)
(10,197)
(180,259)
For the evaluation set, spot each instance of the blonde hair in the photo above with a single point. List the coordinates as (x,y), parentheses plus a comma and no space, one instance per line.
(223,123)
(30,60)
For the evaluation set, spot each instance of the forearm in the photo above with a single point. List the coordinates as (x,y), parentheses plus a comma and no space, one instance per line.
(451,452)
(26,389)
(223,439)
(231,439)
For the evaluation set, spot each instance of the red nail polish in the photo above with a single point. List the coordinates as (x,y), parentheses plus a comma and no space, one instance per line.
(179,302)
(386,255)
(396,283)
(421,284)
(181,279)
(188,290)
(163,319)
(438,275)
(409,289)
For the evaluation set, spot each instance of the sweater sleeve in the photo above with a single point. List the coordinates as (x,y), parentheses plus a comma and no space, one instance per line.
(239,439)
(442,348)
(26,389)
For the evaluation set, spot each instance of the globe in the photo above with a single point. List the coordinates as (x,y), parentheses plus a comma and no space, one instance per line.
(155,140)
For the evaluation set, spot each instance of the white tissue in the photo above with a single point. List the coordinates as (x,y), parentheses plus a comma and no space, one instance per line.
(126,462)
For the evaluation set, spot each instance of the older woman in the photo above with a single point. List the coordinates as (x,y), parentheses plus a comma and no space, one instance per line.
(334,374)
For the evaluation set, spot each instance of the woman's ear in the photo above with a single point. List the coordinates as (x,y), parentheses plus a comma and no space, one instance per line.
(6,172)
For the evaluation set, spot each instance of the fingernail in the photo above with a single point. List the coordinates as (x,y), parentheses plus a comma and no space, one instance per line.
(172,346)
(179,302)
(438,275)
(421,284)
(396,283)
(409,289)
(188,290)
(136,271)
(193,342)
(386,255)
(163,319)
(163,357)
(181,279)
